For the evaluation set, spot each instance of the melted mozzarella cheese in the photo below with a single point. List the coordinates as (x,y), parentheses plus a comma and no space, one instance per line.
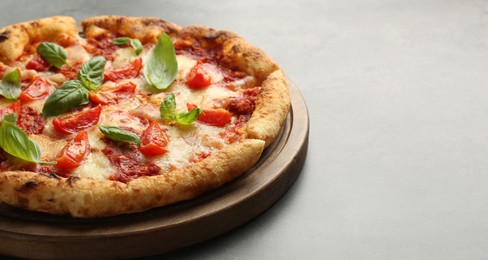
(95,166)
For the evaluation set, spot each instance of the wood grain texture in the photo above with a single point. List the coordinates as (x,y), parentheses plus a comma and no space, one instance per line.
(38,235)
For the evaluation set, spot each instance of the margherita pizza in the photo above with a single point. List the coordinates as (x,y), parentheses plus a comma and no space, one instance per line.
(130,114)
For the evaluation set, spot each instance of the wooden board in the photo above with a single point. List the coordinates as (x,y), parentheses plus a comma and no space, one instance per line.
(38,235)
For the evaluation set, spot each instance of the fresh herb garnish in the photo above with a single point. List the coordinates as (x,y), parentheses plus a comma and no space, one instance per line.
(74,93)
(70,95)
(15,142)
(120,135)
(52,53)
(135,43)
(167,111)
(161,68)
(91,73)
(10,85)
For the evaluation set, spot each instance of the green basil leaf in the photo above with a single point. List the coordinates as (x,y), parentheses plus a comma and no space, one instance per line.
(167,107)
(52,53)
(135,43)
(91,73)
(70,95)
(10,85)
(120,135)
(15,142)
(161,68)
(188,118)
(167,111)
(121,40)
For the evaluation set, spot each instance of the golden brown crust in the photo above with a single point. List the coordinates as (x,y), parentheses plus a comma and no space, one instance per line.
(146,29)
(272,106)
(94,198)
(15,38)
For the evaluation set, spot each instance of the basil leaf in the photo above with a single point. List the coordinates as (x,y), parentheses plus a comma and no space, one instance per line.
(10,85)
(70,95)
(167,107)
(15,142)
(188,118)
(52,53)
(120,135)
(91,73)
(161,68)
(121,40)
(135,43)
(167,111)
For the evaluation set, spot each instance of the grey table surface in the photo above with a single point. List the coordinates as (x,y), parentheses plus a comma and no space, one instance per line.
(397,94)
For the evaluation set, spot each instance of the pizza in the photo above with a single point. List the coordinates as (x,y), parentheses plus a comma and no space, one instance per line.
(129,113)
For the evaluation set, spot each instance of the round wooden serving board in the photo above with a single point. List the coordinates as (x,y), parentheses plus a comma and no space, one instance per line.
(38,235)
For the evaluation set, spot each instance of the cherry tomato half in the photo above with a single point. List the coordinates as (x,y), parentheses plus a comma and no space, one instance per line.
(153,140)
(38,63)
(74,153)
(38,89)
(130,71)
(77,122)
(198,77)
(106,95)
(214,117)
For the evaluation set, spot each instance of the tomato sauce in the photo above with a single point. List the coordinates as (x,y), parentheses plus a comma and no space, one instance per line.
(101,45)
(128,161)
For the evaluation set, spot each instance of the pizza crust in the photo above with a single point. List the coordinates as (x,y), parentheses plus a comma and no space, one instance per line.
(15,38)
(146,29)
(272,106)
(85,198)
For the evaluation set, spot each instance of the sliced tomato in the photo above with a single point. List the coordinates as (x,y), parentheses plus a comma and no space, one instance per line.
(214,117)
(74,153)
(39,88)
(112,95)
(132,70)
(38,63)
(77,122)
(198,77)
(153,140)
(71,71)
(10,109)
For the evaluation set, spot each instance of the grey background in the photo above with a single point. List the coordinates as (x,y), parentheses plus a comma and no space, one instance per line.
(397,94)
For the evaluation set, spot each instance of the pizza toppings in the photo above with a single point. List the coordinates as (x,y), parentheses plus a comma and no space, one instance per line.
(161,67)
(129,162)
(77,122)
(130,71)
(112,95)
(10,85)
(73,154)
(168,113)
(214,117)
(135,43)
(91,73)
(198,77)
(120,135)
(15,142)
(52,53)
(38,63)
(39,88)
(153,140)
(30,120)
(70,95)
